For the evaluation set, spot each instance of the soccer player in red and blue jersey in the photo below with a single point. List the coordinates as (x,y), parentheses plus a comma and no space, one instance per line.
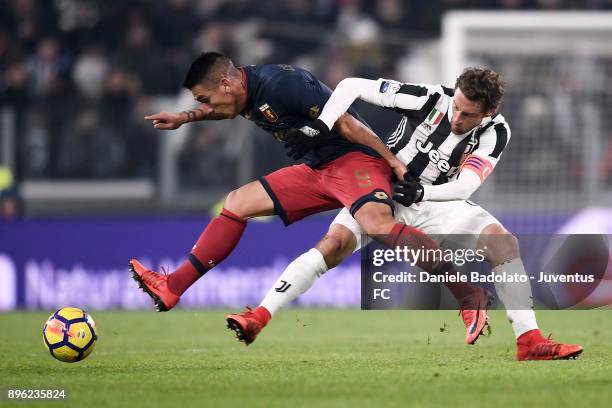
(348,166)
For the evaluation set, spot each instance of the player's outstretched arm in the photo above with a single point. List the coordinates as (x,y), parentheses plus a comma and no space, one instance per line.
(167,120)
(174,120)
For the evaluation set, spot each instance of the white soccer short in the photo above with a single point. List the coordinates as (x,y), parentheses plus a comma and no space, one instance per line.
(436,218)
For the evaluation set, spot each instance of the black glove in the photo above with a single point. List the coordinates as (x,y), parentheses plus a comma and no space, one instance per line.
(300,141)
(408,192)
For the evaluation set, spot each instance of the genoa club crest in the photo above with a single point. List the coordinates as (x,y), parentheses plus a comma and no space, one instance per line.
(267,111)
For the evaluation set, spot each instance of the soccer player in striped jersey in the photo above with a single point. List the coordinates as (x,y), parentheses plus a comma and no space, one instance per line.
(348,166)
(450,140)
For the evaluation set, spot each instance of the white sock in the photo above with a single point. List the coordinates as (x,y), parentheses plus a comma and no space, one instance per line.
(297,278)
(516,297)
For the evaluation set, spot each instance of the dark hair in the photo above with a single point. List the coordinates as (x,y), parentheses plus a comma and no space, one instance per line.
(482,85)
(203,67)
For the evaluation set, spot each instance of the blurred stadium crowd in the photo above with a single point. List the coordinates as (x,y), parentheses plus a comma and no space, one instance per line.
(77,76)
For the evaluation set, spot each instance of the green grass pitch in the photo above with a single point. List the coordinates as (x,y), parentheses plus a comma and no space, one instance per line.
(320,358)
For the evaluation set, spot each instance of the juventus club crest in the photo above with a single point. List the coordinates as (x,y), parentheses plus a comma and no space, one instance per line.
(283,286)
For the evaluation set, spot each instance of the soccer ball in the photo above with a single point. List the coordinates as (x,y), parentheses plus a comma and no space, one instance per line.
(70,334)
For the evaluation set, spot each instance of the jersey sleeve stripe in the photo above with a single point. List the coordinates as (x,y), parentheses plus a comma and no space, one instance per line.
(474,157)
(474,164)
(413,90)
(502,140)
(475,160)
(398,133)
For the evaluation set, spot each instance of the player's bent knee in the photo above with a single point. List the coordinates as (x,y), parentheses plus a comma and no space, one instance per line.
(494,229)
(336,245)
(499,244)
(232,202)
(248,201)
(239,203)
(375,218)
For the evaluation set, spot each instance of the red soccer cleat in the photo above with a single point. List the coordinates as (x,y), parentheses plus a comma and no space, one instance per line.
(248,324)
(155,285)
(533,346)
(473,311)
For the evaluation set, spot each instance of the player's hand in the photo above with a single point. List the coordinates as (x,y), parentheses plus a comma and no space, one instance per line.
(300,141)
(167,120)
(408,192)
(399,169)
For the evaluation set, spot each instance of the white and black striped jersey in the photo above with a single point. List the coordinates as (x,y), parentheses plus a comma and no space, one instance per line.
(423,140)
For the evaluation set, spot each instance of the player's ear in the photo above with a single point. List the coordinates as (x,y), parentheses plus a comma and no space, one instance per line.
(490,112)
(225,85)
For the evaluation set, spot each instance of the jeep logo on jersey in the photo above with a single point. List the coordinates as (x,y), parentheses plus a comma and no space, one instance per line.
(267,111)
(434,156)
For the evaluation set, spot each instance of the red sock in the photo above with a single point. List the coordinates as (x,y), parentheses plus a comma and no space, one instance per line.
(216,242)
(405,235)
(262,314)
(530,337)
